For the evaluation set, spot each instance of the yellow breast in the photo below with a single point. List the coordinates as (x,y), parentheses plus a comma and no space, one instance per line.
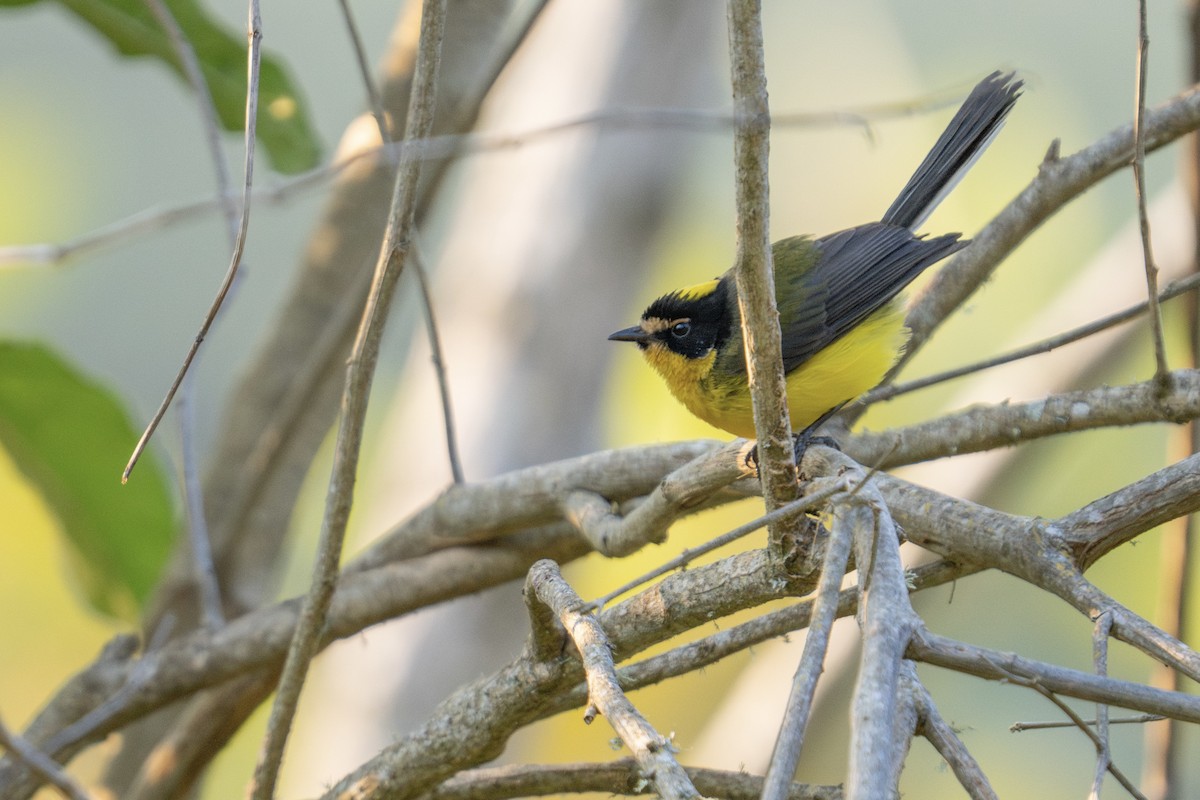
(839,373)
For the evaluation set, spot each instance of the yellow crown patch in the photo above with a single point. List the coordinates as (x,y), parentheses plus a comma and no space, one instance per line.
(698,291)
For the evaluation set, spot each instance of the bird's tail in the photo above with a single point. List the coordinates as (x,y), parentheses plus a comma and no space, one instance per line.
(956,150)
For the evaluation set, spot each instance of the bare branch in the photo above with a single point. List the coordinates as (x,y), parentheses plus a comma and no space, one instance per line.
(193,493)
(452,147)
(1100,633)
(1169,292)
(879,733)
(417,260)
(535,496)
(619,535)
(819,491)
(1036,685)
(41,765)
(1140,719)
(1104,524)
(1139,184)
(754,272)
(804,683)
(994,665)
(360,373)
(987,427)
(621,777)
(254,59)
(374,98)
(652,751)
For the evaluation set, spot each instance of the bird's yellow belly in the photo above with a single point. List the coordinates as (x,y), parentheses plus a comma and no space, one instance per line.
(839,373)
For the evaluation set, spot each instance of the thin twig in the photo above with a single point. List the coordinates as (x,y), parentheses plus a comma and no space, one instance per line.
(41,764)
(1139,183)
(1140,719)
(207,579)
(1165,750)
(652,750)
(360,371)
(449,146)
(1100,633)
(754,272)
(374,99)
(415,254)
(254,58)
(417,261)
(1169,292)
(1034,683)
(1165,124)
(804,683)
(198,537)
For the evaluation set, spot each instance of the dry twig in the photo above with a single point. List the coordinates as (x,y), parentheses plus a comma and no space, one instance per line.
(652,750)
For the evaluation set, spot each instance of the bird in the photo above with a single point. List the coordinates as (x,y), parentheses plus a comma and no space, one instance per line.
(840,316)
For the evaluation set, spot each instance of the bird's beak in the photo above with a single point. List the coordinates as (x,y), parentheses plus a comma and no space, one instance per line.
(634,334)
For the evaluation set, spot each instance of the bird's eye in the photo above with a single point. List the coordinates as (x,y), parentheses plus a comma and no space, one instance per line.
(681,329)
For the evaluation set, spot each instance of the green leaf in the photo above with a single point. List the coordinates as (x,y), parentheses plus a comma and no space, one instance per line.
(70,437)
(284,128)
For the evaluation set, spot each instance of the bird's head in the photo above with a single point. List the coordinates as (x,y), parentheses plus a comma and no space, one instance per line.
(690,322)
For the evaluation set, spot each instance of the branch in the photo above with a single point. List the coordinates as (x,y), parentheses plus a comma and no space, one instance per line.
(193,493)
(1100,633)
(1109,522)
(754,272)
(986,427)
(1052,554)
(253,57)
(453,147)
(373,590)
(536,496)
(42,766)
(621,777)
(819,491)
(1174,289)
(1139,188)
(887,620)
(1078,722)
(360,372)
(804,683)
(615,534)
(994,665)
(652,751)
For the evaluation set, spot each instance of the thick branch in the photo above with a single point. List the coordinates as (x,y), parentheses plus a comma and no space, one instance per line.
(987,427)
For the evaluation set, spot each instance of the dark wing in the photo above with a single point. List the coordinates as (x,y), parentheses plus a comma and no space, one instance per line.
(848,276)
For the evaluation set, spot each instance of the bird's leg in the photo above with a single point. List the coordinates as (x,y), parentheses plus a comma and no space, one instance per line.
(802,441)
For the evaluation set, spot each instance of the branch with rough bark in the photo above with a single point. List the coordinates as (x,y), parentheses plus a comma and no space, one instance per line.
(1048,553)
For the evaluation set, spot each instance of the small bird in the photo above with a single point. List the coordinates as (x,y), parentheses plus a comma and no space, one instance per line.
(841,321)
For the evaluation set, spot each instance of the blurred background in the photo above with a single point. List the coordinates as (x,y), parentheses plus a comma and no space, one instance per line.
(542,250)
